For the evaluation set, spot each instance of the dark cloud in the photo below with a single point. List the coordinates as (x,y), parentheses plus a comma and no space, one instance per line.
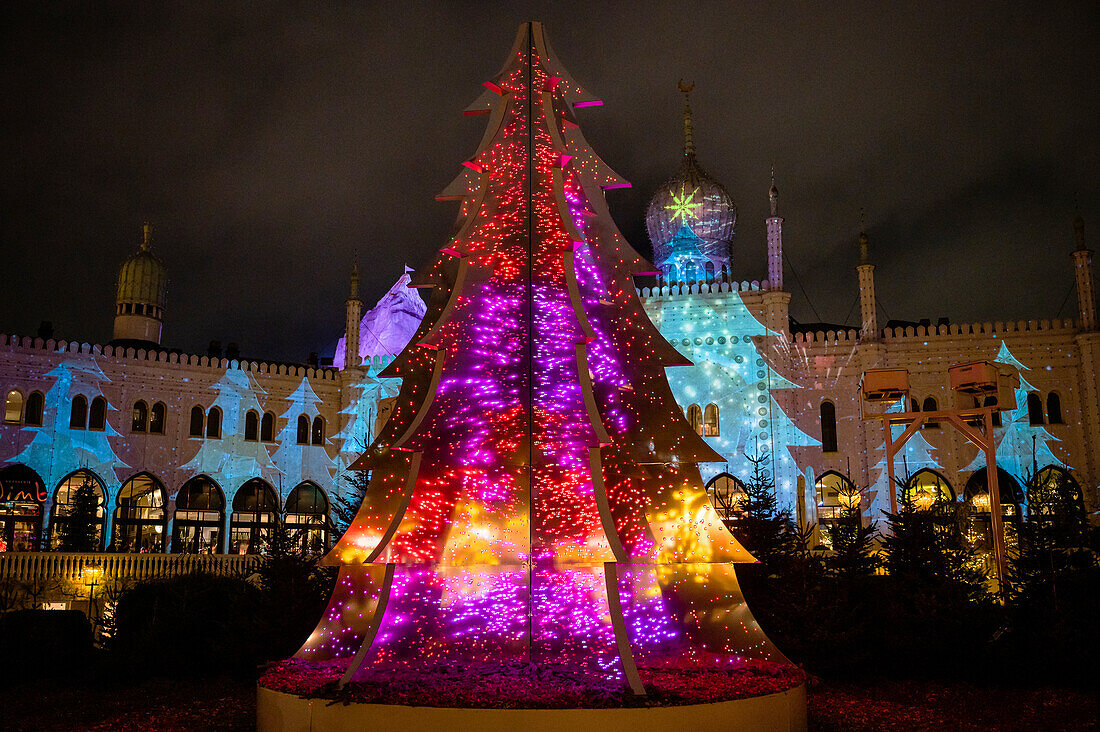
(267,142)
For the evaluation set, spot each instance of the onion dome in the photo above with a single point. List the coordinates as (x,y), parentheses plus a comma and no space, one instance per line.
(694,199)
(142,278)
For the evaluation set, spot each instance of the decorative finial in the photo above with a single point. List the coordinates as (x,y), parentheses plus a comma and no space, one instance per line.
(147,234)
(689,138)
(864,240)
(773,196)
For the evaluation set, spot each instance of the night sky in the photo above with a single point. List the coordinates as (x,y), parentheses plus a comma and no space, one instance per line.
(267,142)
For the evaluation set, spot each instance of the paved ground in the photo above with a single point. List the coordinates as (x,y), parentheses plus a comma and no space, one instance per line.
(937,705)
(227,704)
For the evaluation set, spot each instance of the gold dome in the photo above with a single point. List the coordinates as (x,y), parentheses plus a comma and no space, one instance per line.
(142,278)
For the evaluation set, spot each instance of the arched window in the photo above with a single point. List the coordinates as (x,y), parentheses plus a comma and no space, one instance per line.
(76,520)
(695,418)
(727,493)
(930,405)
(1034,409)
(141,523)
(214,423)
(200,515)
(1009,488)
(303,430)
(97,414)
(198,421)
(13,407)
(926,489)
(251,426)
(307,518)
(834,493)
(828,427)
(267,427)
(991,401)
(78,414)
(1054,408)
(710,421)
(158,416)
(914,405)
(140,420)
(36,407)
(1054,497)
(318,435)
(255,510)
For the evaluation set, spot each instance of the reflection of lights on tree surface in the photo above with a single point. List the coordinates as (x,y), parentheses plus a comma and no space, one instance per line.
(536,472)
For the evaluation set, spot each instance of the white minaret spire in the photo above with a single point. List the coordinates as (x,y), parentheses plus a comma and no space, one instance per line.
(775,239)
(354,314)
(1082,271)
(868,329)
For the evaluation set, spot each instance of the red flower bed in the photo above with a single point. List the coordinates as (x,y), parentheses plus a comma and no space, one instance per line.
(526,686)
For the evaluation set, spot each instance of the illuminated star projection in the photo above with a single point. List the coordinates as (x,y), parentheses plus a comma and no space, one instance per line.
(683,204)
(535,495)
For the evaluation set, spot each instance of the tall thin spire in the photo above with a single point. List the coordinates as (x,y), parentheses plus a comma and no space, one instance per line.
(868,306)
(773,196)
(864,240)
(689,138)
(147,235)
(353,314)
(1082,271)
(775,239)
(354,293)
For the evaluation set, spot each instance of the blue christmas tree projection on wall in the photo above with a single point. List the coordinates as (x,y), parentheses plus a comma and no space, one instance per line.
(535,518)
(82,434)
(302,453)
(1025,442)
(232,457)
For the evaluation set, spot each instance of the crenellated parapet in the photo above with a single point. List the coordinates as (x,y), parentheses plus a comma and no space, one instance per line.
(945,331)
(27,343)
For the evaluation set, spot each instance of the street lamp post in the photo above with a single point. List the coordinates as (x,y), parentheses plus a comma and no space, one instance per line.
(91,575)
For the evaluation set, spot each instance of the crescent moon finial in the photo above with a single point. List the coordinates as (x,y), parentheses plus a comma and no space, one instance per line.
(684,88)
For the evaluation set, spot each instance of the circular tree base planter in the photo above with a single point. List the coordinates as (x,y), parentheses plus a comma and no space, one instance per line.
(299,697)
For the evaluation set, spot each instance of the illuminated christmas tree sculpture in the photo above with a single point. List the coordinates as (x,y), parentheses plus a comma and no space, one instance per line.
(535,496)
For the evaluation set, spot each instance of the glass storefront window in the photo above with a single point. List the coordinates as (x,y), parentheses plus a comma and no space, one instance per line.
(255,511)
(64,507)
(199,517)
(140,519)
(307,517)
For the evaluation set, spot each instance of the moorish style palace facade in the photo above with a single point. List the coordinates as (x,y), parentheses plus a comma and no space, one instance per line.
(205,453)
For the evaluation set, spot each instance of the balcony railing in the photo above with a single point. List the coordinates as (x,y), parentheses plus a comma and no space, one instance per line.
(71,566)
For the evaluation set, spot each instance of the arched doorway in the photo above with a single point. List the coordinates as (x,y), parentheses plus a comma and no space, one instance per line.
(255,510)
(726,494)
(307,518)
(22,505)
(976,496)
(77,516)
(927,489)
(1054,497)
(835,494)
(200,515)
(141,521)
